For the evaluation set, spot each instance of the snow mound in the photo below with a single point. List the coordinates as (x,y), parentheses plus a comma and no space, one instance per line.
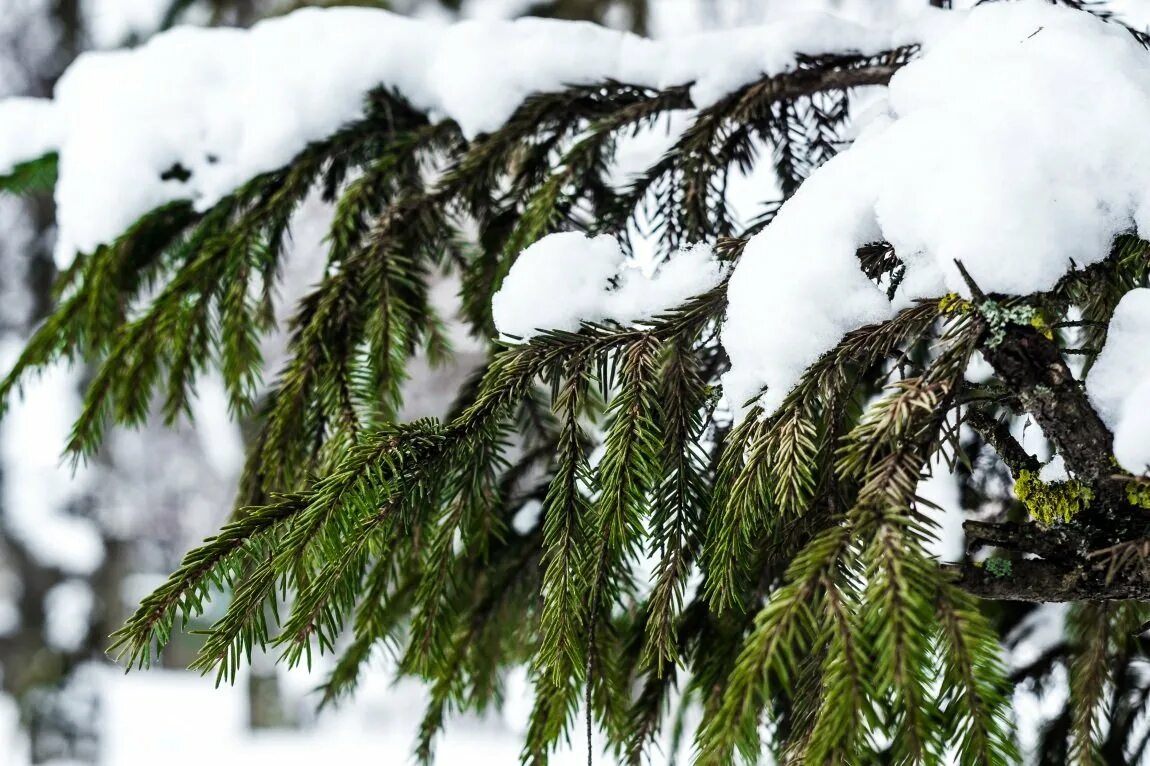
(1119,381)
(1016,145)
(566,279)
(229,104)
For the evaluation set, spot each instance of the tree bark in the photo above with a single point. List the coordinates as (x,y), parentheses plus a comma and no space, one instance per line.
(1094,556)
(1043,580)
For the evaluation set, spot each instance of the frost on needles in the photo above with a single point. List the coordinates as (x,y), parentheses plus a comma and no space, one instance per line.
(860,257)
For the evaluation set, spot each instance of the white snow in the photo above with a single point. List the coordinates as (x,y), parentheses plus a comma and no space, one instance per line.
(228,104)
(565,279)
(145,714)
(28,130)
(1055,470)
(34,495)
(943,507)
(1015,145)
(1119,381)
(111,23)
(68,609)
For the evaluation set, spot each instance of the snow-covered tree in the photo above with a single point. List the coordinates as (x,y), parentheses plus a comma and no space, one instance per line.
(690,482)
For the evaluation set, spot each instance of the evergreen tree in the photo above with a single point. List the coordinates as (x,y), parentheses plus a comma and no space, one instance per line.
(792,599)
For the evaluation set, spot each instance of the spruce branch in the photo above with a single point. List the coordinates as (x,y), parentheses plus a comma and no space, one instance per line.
(675,528)
(36,175)
(819,616)
(976,701)
(1089,675)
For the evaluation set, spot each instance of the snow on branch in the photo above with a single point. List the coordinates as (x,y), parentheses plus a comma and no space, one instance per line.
(1014,146)
(566,279)
(29,129)
(195,113)
(992,205)
(1119,383)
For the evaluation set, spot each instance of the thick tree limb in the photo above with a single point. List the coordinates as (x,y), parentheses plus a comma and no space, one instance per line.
(1032,366)
(1097,556)
(1043,580)
(1050,542)
(1076,565)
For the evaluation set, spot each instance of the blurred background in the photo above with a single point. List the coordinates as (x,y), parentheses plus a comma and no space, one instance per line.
(78,548)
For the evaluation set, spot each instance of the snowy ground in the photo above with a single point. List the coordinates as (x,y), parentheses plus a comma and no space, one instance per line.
(183,719)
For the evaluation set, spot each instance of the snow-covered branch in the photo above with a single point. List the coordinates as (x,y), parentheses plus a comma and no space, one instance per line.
(225,105)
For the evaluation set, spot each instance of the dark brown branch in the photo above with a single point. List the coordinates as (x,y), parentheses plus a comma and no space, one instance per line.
(1104,553)
(1054,542)
(1033,367)
(997,434)
(1041,580)
(806,82)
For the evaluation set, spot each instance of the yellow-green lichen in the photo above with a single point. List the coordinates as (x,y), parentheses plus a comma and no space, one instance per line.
(1038,322)
(952,303)
(1138,493)
(1054,502)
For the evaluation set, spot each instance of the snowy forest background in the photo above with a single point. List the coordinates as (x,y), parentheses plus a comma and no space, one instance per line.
(77,550)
